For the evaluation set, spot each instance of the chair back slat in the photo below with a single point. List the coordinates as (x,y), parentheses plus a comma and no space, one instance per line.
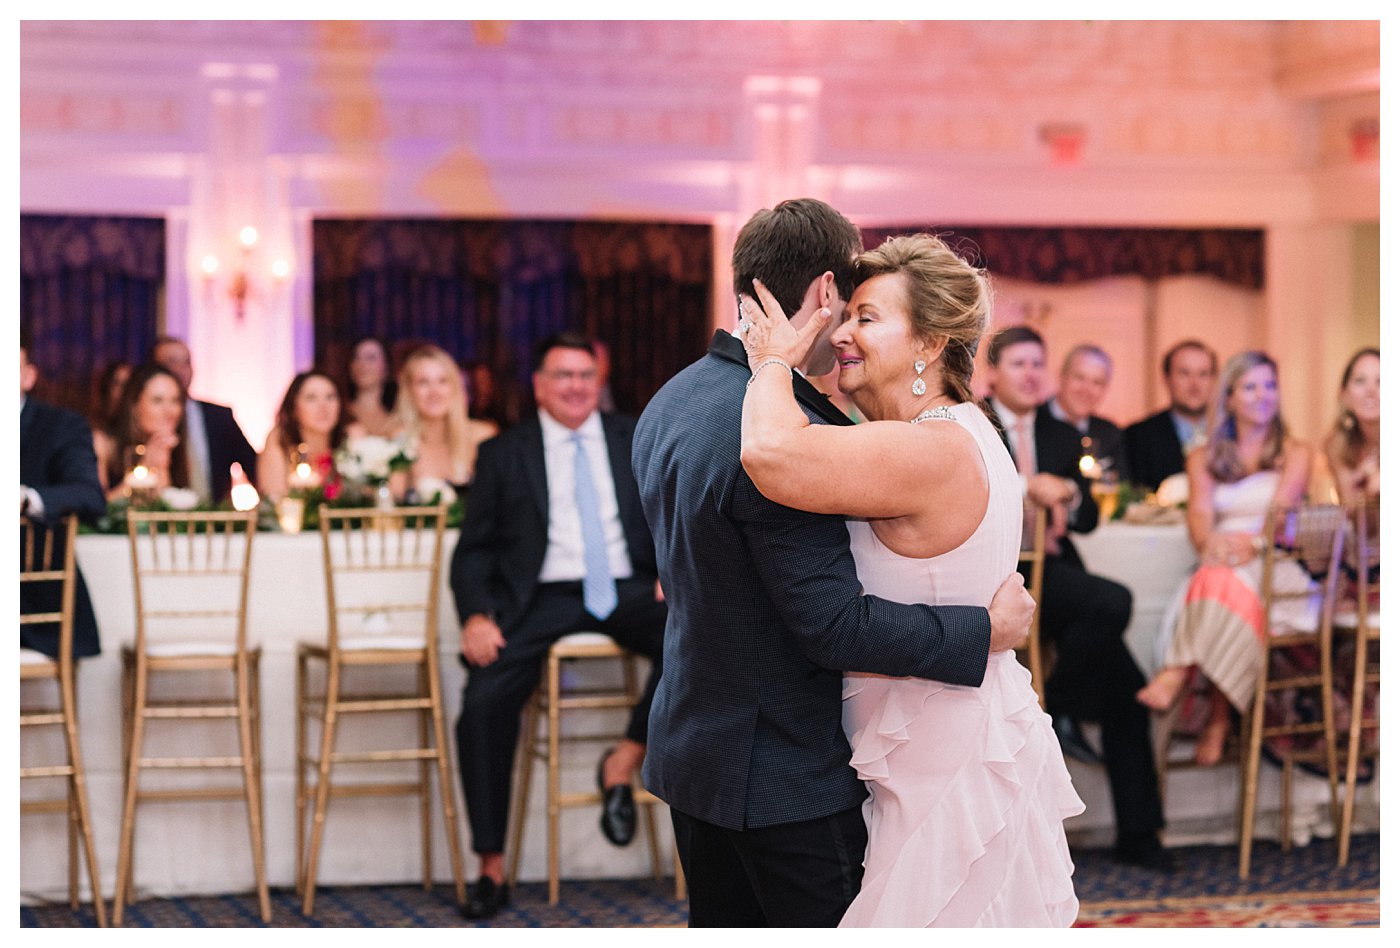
(191,576)
(382,570)
(48,572)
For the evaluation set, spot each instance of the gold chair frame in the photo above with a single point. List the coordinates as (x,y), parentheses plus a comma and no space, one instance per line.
(1315,533)
(198,547)
(38,546)
(1364,672)
(1033,653)
(549,703)
(372,540)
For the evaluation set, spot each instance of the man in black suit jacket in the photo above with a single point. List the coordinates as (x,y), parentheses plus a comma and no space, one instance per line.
(214,441)
(1095,677)
(57,476)
(533,554)
(1084,379)
(1157,445)
(766,612)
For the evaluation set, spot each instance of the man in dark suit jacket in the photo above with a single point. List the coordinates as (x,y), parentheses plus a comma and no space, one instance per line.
(57,476)
(1084,379)
(215,441)
(766,612)
(534,552)
(1095,677)
(1157,445)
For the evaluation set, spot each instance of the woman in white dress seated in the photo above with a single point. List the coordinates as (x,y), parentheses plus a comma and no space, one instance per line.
(1247,463)
(968,786)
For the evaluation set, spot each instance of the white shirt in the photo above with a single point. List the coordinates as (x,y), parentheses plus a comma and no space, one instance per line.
(563,557)
(197,450)
(1010,421)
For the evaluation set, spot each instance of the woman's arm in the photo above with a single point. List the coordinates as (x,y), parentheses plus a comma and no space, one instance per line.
(880,469)
(272,467)
(1297,467)
(1200,503)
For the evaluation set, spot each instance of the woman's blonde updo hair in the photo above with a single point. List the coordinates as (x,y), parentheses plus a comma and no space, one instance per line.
(948,298)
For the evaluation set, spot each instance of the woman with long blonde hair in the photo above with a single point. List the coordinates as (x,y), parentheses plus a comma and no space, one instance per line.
(1247,464)
(431,418)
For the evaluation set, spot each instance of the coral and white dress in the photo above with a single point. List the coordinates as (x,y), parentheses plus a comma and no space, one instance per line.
(968,786)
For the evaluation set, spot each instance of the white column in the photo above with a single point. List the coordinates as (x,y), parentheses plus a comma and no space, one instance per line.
(239,319)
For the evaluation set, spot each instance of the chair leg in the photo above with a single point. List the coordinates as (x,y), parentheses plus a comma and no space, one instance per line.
(1285,812)
(300,717)
(132,790)
(323,787)
(252,789)
(425,785)
(525,753)
(1358,709)
(1249,787)
(446,786)
(552,778)
(80,814)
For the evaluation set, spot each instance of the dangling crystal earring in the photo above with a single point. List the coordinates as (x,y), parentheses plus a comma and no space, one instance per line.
(919,387)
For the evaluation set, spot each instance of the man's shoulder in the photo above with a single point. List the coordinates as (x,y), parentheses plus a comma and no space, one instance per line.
(52,417)
(1151,423)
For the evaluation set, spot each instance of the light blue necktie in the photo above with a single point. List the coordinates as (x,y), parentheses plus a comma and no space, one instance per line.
(599,590)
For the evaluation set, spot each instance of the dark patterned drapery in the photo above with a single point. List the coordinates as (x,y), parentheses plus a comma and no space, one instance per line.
(1072,254)
(489,289)
(90,290)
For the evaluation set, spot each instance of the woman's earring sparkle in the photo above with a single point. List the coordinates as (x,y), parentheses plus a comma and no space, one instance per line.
(919,386)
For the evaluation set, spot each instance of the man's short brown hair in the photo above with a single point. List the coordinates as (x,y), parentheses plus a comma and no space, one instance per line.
(790,245)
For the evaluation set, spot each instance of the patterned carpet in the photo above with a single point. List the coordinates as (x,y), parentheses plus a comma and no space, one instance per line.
(1302,888)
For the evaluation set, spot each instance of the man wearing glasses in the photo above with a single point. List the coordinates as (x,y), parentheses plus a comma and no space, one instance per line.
(554,541)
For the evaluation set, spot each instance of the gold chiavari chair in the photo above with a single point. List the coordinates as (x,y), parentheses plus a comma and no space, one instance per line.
(1310,535)
(382,569)
(47,563)
(1362,621)
(1033,653)
(551,702)
(191,594)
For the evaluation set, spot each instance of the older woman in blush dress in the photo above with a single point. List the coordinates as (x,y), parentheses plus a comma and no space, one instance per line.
(968,788)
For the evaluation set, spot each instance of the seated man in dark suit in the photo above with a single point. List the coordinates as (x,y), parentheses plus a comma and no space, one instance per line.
(1157,445)
(1084,379)
(57,476)
(1095,677)
(553,542)
(215,441)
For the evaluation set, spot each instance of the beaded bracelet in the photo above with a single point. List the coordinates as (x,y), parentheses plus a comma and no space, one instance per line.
(765,364)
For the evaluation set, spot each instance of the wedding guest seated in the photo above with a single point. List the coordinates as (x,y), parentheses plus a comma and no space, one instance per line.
(484,398)
(1095,678)
(57,477)
(1157,446)
(310,427)
(1353,448)
(370,388)
(432,420)
(1084,379)
(106,393)
(1247,464)
(142,451)
(215,441)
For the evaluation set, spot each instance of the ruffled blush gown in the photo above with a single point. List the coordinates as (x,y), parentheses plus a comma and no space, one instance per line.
(968,787)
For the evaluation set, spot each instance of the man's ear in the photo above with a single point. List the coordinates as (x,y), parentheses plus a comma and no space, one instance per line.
(826,289)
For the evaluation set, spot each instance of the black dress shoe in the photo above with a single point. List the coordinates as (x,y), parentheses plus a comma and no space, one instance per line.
(1144,851)
(1072,740)
(619,819)
(486,898)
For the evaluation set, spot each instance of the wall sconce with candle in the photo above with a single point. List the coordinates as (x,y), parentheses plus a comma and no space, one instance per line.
(241,285)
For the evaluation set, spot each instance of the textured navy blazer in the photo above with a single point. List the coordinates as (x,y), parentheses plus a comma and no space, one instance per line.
(765,613)
(56,458)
